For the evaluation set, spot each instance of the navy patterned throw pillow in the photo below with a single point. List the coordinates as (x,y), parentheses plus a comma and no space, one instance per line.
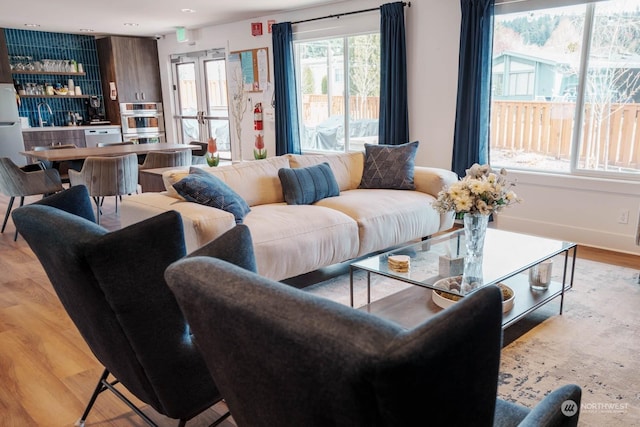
(303,186)
(389,166)
(203,188)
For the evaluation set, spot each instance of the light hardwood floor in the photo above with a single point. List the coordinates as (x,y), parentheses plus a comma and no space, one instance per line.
(47,372)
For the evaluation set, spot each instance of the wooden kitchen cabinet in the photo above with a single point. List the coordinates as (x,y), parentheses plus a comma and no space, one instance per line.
(5,69)
(132,64)
(53,137)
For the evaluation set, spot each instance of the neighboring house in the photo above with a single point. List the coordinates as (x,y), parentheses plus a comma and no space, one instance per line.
(519,77)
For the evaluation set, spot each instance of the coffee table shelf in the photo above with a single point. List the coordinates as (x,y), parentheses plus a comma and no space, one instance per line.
(507,258)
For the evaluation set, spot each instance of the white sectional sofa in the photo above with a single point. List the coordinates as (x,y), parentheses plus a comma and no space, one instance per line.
(290,240)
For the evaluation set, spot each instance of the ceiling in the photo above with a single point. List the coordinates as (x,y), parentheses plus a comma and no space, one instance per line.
(137,17)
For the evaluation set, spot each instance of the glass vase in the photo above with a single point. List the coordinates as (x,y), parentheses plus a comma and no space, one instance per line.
(475,228)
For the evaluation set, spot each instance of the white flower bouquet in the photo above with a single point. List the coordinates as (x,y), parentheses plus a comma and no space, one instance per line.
(481,191)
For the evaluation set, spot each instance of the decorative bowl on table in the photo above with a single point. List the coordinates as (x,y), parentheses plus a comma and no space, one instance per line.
(445,299)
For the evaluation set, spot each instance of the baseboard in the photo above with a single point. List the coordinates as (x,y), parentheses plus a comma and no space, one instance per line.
(585,236)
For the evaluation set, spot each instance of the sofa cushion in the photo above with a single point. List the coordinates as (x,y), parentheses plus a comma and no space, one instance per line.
(256,182)
(290,240)
(201,223)
(170,177)
(386,217)
(304,186)
(204,188)
(389,166)
(346,167)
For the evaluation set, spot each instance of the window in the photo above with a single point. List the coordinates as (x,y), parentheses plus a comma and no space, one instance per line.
(566,88)
(338,113)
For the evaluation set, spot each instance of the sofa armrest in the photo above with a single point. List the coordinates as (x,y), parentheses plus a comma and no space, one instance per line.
(432,180)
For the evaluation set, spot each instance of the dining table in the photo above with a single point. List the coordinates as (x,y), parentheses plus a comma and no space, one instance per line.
(81,153)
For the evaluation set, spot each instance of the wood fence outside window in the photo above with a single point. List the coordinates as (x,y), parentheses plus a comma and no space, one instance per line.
(611,133)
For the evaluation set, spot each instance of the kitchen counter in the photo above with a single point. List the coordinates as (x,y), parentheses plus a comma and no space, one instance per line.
(60,128)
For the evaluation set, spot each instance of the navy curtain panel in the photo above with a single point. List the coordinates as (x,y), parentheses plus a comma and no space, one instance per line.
(286,108)
(394,110)
(471,137)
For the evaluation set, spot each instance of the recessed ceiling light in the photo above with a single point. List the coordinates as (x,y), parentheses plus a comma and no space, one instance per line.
(130,24)
(31,25)
(186,10)
(86,30)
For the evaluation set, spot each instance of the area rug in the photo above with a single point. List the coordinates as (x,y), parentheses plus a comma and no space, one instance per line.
(595,343)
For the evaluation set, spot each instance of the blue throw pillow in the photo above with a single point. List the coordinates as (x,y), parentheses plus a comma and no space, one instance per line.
(389,166)
(203,188)
(303,186)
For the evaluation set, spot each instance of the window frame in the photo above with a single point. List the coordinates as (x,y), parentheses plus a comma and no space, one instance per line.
(514,6)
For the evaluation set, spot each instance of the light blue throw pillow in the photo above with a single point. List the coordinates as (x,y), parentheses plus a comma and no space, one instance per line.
(304,186)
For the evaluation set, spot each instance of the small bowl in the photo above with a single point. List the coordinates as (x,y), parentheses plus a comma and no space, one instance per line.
(444,300)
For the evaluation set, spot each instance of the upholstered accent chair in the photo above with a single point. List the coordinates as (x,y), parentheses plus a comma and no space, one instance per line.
(281,356)
(107,176)
(112,286)
(163,159)
(21,182)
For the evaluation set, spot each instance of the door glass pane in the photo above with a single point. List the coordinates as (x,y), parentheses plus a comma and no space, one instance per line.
(610,141)
(188,101)
(217,105)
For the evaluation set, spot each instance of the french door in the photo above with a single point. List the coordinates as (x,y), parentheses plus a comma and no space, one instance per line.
(200,85)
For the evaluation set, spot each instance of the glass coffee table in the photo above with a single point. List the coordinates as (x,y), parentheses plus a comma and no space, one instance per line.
(507,258)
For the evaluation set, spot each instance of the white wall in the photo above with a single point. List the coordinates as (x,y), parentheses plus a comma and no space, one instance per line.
(575,209)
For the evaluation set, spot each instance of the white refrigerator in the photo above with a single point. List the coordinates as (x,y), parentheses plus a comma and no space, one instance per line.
(11,142)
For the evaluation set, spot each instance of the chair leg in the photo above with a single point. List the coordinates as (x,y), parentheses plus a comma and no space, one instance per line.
(99,389)
(103,385)
(6,215)
(221,419)
(15,236)
(97,202)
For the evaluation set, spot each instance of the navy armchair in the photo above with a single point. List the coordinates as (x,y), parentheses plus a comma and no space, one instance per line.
(112,286)
(281,356)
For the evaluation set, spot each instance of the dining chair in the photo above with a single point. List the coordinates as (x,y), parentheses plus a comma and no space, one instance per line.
(107,176)
(20,182)
(163,159)
(198,157)
(62,167)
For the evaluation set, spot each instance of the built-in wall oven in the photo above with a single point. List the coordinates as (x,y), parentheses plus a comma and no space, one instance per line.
(142,122)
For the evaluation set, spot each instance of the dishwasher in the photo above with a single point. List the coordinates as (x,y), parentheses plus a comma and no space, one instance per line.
(93,137)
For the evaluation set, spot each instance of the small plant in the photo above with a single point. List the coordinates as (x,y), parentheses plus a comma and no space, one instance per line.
(259,152)
(212,157)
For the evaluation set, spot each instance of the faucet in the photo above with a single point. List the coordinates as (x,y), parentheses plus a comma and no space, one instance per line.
(40,121)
